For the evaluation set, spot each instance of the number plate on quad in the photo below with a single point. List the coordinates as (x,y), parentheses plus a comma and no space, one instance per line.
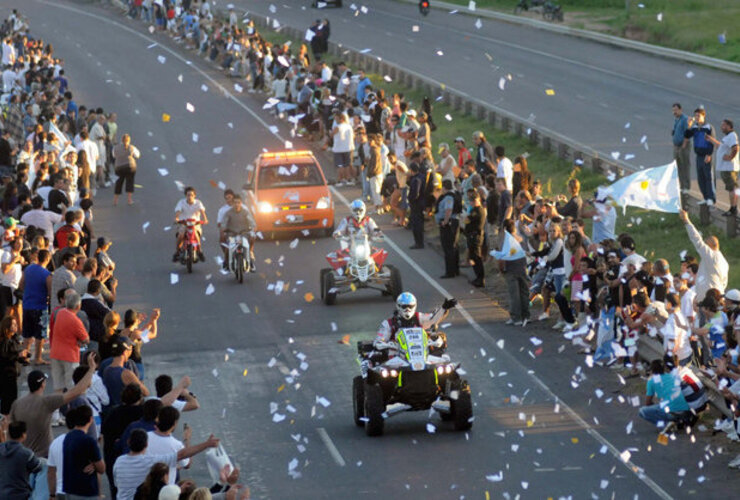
(415,348)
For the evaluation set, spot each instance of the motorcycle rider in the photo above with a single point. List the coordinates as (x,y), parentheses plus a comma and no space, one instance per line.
(238,221)
(358,221)
(406,316)
(229,202)
(189,208)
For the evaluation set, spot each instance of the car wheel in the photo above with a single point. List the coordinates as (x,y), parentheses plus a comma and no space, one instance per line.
(395,286)
(330,298)
(358,400)
(374,409)
(462,411)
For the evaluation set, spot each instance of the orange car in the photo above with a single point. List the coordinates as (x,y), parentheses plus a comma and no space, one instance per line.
(287,191)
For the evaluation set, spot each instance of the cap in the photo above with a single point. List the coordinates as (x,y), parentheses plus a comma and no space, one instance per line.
(443,146)
(36,377)
(411,112)
(733,295)
(102,241)
(459,139)
(120,345)
(169,492)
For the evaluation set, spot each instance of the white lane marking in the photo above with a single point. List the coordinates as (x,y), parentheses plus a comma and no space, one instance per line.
(637,471)
(330,446)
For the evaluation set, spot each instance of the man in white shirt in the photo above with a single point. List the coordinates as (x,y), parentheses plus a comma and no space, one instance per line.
(98,135)
(504,168)
(42,219)
(189,208)
(91,150)
(728,162)
(229,198)
(9,79)
(162,442)
(55,473)
(713,267)
(131,469)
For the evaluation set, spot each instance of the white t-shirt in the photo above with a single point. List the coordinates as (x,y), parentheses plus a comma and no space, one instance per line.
(42,219)
(91,149)
(188,211)
(56,459)
(725,148)
(506,170)
(221,212)
(344,138)
(687,303)
(13,277)
(673,333)
(164,445)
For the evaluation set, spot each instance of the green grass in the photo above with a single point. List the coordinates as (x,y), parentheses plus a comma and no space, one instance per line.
(658,235)
(692,25)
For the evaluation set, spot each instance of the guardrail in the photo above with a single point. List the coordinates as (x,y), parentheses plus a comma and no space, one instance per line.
(547,139)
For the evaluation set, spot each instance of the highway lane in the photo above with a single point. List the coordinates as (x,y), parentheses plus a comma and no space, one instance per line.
(199,332)
(605,97)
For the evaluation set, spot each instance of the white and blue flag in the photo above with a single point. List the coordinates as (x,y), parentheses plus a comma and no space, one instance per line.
(510,250)
(653,188)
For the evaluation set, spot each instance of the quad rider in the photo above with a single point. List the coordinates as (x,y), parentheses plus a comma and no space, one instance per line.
(406,316)
(358,221)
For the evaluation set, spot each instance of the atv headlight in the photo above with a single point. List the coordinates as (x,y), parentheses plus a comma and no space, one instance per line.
(448,369)
(323,203)
(384,373)
(264,207)
(394,373)
(440,369)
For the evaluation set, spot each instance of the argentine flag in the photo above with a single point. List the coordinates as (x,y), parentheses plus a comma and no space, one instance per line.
(510,250)
(653,188)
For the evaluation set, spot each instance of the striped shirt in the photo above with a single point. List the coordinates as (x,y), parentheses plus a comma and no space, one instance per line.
(130,471)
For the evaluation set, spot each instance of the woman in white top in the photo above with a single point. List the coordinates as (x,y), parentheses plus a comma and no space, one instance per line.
(676,332)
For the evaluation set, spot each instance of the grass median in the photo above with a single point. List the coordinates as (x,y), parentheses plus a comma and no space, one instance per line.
(658,235)
(692,25)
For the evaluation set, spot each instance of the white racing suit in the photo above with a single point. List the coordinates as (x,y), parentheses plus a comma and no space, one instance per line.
(349,225)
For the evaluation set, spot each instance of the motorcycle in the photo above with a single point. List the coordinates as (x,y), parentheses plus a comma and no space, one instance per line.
(358,265)
(424,7)
(420,377)
(239,255)
(190,248)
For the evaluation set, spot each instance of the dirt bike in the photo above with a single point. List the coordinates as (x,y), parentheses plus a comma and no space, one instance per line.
(190,249)
(239,255)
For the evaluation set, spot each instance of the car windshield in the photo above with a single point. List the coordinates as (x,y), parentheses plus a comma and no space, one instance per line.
(292,175)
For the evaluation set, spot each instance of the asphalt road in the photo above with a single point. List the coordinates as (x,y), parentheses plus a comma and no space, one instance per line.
(611,99)
(546,425)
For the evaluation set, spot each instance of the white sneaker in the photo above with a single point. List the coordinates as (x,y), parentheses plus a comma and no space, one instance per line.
(729,427)
(560,324)
(518,323)
(509,322)
(543,317)
(734,463)
(570,326)
(351,182)
(723,425)
(339,184)
(732,436)
(524,322)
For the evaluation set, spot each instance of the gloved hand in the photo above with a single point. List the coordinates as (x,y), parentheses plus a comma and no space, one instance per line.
(449,304)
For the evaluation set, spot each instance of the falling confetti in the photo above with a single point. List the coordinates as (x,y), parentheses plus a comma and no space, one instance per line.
(550,92)
(165,117)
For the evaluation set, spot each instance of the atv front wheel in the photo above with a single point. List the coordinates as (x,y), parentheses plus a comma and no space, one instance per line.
(330,298)
(374,409)
(358,400)
(462,411)
(395,286)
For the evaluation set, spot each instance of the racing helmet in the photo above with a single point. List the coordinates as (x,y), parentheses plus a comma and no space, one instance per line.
(406,305)
(358,209)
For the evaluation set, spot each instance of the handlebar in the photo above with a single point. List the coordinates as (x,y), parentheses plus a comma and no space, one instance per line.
(194,222)
(385,345)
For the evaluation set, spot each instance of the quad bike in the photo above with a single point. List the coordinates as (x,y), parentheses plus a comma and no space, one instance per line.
(419,377)
(358,265)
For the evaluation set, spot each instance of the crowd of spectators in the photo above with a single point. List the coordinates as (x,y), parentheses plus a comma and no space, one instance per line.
(58,301)
(607,295)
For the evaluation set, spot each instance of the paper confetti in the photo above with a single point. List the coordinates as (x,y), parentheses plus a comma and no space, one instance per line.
(174,278)
(161,59)
(204,87)
(210,289)
(189,107)
(549,92)
(163,172)
(165,117)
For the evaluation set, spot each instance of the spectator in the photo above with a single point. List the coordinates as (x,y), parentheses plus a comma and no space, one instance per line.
(67,335)
(343,145)
(115,424)
(55,462)
(728,162)
(699,130)
(474,227)
(417,204)
(463,154)
(116,376)
(680,147)
(515,274)
(96,311)
(40,218)
(12,355)
(178,396)
(504,168)
(447,214)
(63,277)
(11,274)
(82,458)
(162,442)
(36,284)
(125,155)
(147,422)
(571,208)
(130,470)
(664,400)
(522,177)
(156,479)
(505,203)
(447,167)
(604,218)
(484,155)
(713,267)
(16,464)
(139,334)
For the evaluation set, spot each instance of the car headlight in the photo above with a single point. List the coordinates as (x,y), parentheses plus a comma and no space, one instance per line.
(264,207)
(323,203)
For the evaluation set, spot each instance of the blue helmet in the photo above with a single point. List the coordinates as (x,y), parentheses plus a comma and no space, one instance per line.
(406,305)
(358,209)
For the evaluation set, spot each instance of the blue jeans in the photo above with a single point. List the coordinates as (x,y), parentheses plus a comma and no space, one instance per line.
(705,178)
(39,482)
(656,414)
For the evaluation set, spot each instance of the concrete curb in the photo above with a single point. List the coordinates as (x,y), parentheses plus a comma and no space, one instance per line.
(655,50)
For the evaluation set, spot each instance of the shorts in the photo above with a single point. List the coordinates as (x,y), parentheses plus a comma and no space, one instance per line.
(404,198)
(342,160)
(32,327)
(730,180)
